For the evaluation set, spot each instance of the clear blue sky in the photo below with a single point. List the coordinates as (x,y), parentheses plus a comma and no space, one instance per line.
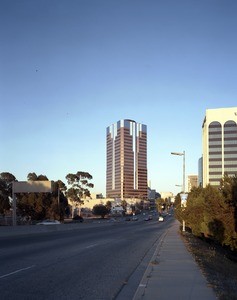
(69,69)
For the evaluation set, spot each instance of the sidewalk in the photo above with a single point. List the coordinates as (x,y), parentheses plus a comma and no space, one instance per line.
(173,273)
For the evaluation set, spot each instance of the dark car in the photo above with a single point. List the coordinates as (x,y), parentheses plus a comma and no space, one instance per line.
(78,218)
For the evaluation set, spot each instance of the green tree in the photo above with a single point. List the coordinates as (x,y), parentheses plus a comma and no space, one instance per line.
(139,205)
(194,211)
(6,180)
(108,205)
(124,204)
(59,205)
(37,206)
(100,210)
(221,223)
(161,204)
(40,206)
(33,177)
(228,188)
(210,212)
(79,186)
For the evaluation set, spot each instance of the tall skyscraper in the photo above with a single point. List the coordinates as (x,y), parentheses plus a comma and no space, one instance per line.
(219,142)
(126,172)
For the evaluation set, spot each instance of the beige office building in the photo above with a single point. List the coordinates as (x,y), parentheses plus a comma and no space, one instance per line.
(192,182)
(219,142)
(126,165)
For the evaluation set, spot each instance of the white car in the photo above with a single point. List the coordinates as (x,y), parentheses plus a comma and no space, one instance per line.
(161,219)
(49,222)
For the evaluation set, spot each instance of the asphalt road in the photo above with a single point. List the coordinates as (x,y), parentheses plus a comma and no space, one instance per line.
(104,261)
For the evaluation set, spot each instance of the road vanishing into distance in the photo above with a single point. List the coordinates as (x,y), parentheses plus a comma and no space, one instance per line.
(97,261)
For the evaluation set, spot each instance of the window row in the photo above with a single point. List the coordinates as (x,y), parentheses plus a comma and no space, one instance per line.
(230,142)
(230,169)
(219,142)
(215,169)
(215,176)
(214,156)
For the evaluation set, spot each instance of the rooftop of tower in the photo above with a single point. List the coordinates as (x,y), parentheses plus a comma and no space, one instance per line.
(129,120)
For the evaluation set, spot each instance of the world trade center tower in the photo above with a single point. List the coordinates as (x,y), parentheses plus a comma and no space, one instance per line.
(126,171)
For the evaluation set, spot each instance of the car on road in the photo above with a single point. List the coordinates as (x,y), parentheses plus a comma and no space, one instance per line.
(148,218)
(49,222)
(78,218)
(161,219)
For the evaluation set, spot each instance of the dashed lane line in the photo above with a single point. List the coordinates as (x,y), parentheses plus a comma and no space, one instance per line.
(17,271)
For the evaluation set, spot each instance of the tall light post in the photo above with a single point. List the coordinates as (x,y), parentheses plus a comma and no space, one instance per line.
(182,154)
(59,189)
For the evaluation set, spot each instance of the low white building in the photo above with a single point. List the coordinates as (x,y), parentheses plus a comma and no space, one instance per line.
(166,195)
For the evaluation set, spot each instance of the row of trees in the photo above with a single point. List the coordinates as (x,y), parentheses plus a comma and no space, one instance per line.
(212,212)
(38,206)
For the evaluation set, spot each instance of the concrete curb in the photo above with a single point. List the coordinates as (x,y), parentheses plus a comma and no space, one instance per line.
(172,273)
(143,284)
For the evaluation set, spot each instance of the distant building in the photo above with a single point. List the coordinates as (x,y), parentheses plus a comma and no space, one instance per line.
(97,196)
(192,182)
(200,172)
(219,142)
(167,195)
(90,202)
(126,164)
(152,196)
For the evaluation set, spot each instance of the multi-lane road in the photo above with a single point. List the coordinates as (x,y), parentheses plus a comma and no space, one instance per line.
(94,261)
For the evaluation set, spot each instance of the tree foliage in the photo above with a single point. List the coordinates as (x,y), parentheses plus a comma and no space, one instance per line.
(6,180)
(40,206)
(161,204)
(108,205)
(100,210)
(124,204)
(79,186)
(211,212)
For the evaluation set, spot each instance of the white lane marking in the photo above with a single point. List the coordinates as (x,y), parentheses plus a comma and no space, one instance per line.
(91,246)
(17,271)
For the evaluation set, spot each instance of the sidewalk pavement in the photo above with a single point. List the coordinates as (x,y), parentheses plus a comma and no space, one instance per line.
(173,273)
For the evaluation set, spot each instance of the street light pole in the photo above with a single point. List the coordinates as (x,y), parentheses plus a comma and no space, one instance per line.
(59,189)
(184,171)
(182,154)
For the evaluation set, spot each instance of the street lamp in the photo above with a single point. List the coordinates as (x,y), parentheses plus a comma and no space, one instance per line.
(59,189)
(182,154)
